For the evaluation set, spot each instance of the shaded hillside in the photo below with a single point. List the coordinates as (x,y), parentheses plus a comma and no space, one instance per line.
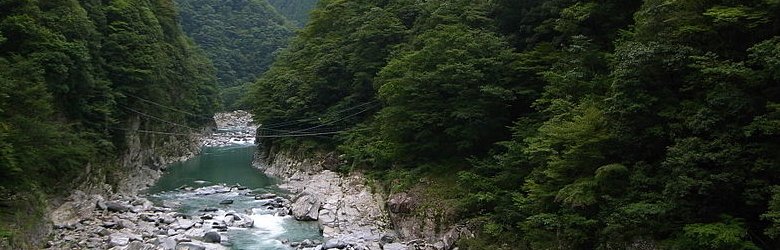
(72,76)
(554,124)
(297,11)
(239,36)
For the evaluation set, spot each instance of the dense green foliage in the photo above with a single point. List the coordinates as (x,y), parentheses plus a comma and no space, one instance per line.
(297,11)
(239,36)
(73,74)
(573,124)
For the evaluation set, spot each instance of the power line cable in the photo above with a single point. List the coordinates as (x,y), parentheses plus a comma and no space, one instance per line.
(290,123)
(157,118)
(168,107)
(148,131)
(332,122)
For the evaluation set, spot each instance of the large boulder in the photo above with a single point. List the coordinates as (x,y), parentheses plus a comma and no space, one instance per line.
(183,224)
(306,207)
(401,203)
(168,243)
(116,207)
(212,237)
(118,239)
(334,243)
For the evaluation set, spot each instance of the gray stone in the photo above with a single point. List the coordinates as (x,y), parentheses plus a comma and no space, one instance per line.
(189,246)
(334,243)
(265,196)
(226,202)
(135,245)
(387,238)
(212,237)
(116,207)
(307,243)
(395,246)
(147,217)
(183,224)
(118,239)
(100,204)
(103,232)
(167,219)
(306,208)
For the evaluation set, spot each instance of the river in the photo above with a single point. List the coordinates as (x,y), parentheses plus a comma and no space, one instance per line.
(231,165)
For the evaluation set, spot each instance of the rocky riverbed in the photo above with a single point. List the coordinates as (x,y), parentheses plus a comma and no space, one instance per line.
(343,210)
(133,222)
(350,214)
(233,128)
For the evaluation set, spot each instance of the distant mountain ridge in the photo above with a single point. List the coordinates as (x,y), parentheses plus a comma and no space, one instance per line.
(297,11)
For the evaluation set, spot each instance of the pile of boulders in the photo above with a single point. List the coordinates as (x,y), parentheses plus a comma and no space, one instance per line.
(136,223)
(233,128)
(233,119)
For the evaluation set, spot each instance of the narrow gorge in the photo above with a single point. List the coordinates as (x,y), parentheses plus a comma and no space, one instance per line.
(389,124)
(229,195)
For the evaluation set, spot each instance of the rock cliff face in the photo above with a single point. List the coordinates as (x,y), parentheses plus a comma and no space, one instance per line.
(146,156)
(138,168)
(350,215)
(351,212)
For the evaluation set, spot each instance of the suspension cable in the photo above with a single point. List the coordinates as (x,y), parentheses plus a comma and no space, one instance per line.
(157,118)
(167,107)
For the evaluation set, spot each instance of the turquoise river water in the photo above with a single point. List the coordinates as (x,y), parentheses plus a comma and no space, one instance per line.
(231,165)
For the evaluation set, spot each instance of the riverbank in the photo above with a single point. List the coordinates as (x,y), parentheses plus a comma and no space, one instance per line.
(101,216)
(352,213)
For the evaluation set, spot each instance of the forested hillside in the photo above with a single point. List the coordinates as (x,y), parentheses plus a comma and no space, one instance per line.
(296,11)
(72,74)
(565,124)
(239,36)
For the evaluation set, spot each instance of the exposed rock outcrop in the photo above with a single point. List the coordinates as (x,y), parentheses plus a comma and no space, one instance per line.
(306,207)
(351,215)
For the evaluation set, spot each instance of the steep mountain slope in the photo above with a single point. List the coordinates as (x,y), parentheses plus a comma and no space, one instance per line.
(297,11)
(548,124)
(239,36)
(81,82)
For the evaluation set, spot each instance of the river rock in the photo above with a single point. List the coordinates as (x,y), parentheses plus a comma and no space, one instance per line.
(168,243)
(239,220)
(265,196)
(395,246)
(137,245)
(167,219)
(116,207)
(334,243)
(209,210)
(190,246)
(147,217)
(101,204)
(308,243)
(226,202)
(183,224)
(211,237)
(118,239)
(306,208)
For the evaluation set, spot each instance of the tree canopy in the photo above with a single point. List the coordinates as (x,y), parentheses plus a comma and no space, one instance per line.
(73,75)
(571,124)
